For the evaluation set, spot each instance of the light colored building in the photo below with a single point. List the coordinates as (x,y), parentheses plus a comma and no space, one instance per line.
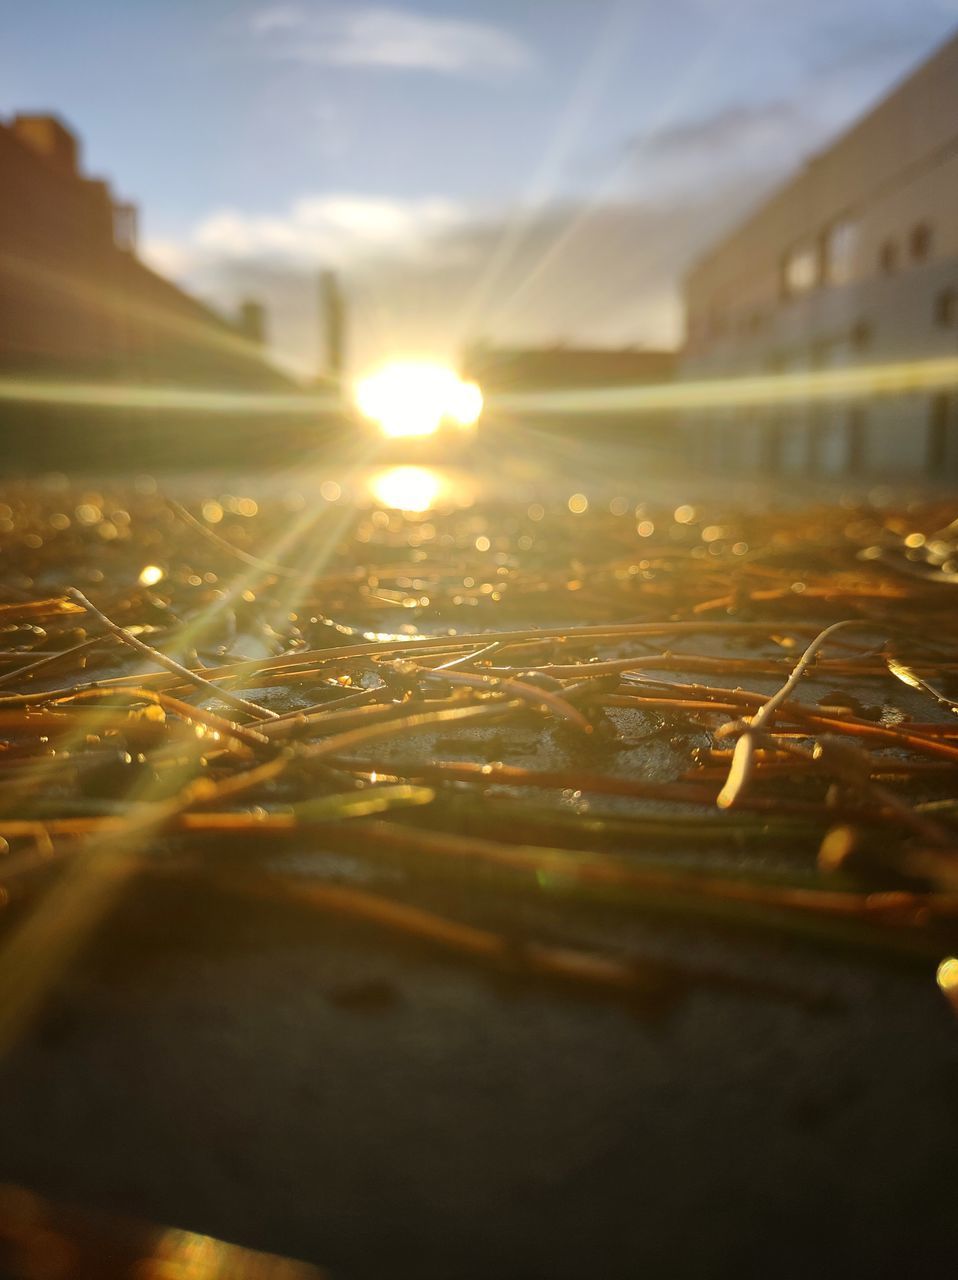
(853,261)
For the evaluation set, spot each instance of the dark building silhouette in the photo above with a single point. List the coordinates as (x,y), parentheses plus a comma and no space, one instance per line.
(75,301)
(557,368)
(505,372)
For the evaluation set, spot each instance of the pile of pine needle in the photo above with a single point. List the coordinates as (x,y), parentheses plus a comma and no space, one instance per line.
(740,720)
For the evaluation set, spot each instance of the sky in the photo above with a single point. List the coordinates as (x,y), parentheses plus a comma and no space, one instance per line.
(530,171)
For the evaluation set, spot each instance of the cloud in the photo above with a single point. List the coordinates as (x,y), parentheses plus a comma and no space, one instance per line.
(412,271)
(396,39)
(843,66)
(739,125)
(891,41)
(750,139)
(230,254)
(330,230)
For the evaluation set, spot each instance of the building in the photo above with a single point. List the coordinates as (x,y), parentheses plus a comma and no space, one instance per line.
(507,374)
(853,261)
(561,367)
(76,302)
(89,332)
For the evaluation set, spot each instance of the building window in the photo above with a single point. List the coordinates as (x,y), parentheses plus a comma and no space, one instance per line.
(856,455)
(818,353)
(125,226)
(938,433)
(756,322)
(861,335)
(946,308)
(920,241)
(888,257)
(839,247)
(800,268)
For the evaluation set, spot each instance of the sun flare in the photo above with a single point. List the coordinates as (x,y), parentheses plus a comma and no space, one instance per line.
(407,488)
(412,398)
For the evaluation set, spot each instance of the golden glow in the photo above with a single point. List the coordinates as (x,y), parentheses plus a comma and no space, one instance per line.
(407,488)
(948,980)
(168,399)
(465,403)
(150,575)
(894,378)
(415,398)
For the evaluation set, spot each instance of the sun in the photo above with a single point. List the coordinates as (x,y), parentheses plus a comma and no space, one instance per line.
(415,398)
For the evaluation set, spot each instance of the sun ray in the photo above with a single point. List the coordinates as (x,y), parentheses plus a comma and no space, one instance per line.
(691,75)
(608,46)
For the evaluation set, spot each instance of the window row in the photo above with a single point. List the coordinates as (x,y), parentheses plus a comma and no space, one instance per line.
(720,324)
(832,257)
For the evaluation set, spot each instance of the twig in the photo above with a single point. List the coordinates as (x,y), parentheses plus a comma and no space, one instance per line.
(255,562)
(533,694)
(589,970)
(196,715)
(20,673)
(171,665)
(740,769)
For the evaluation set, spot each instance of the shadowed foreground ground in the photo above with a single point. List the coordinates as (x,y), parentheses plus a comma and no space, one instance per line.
(303,1087)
